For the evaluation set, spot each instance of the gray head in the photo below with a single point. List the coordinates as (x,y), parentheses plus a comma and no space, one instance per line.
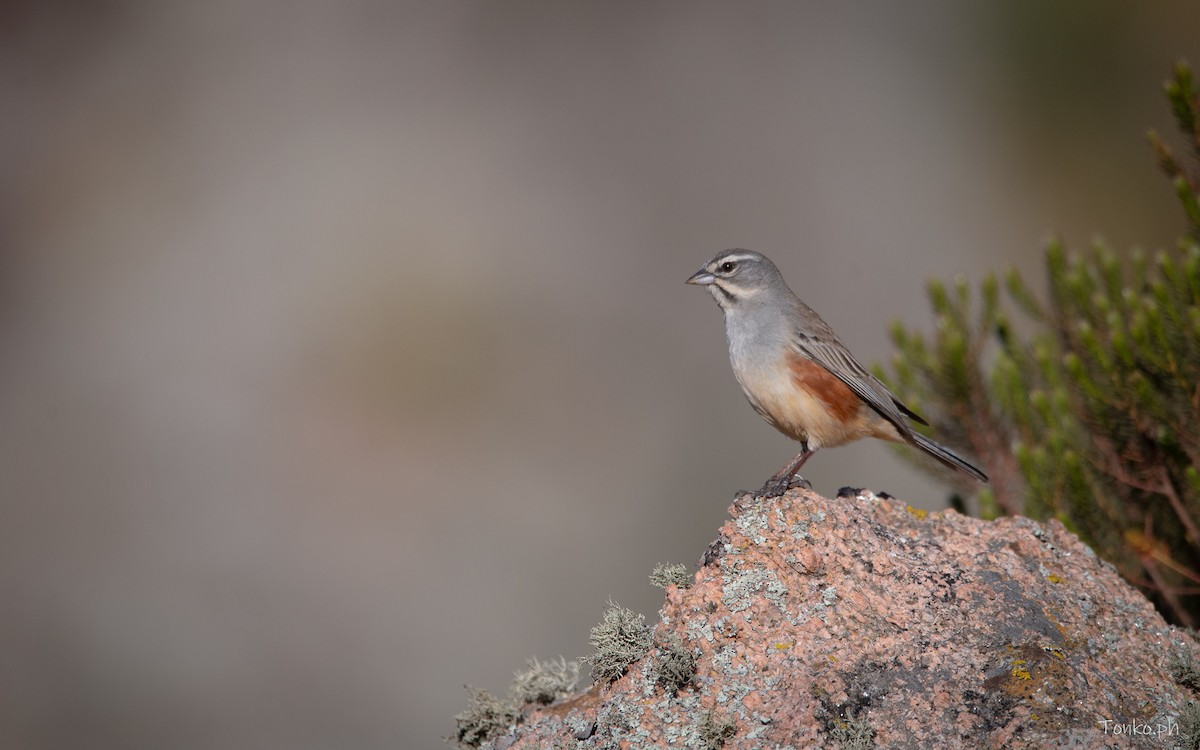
(738,278)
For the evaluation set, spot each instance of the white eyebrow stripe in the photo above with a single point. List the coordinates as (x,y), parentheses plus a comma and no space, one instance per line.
(735,257)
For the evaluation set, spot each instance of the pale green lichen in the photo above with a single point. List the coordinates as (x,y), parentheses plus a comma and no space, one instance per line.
(671,574)
(485,717)
(715,731)
(544,681)
(739,591)
(829,596)
(753,526)
(854,734)
(675,666)
(621,638)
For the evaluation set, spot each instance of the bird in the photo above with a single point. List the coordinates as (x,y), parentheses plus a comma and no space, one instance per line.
(797,373)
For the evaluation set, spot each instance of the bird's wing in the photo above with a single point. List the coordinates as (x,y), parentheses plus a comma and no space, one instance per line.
(833,356)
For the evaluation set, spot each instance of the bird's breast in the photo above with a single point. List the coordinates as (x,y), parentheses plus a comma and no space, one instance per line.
(799,397)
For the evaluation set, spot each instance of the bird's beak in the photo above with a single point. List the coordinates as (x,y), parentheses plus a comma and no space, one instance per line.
(701,278)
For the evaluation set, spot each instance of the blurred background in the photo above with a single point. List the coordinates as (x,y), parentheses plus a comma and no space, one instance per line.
(345,355)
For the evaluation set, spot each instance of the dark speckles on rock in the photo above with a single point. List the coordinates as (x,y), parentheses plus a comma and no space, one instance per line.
(714,551)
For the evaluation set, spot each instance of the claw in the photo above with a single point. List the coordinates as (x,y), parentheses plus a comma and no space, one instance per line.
(801,482)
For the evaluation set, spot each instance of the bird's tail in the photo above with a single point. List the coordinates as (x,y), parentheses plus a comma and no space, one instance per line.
(946,456)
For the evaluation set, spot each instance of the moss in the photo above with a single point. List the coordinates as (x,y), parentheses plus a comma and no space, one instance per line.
(715,731)
(544,681)
(671,574)
(675,666)
(621,638)
(485,717)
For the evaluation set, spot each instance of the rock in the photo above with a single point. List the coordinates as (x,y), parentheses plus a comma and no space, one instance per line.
(861,622)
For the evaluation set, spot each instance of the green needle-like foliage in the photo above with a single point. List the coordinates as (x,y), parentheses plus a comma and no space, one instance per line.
(1181,93)
(1087,408)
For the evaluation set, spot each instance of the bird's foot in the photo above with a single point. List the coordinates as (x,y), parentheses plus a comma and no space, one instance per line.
(776,486)
(788,476)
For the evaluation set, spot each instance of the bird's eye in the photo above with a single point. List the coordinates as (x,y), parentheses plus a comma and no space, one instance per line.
(728,266)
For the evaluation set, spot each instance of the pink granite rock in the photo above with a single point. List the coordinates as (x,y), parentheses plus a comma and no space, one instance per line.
(859,622)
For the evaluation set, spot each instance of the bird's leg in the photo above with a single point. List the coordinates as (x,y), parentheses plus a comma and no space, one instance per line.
(782,480)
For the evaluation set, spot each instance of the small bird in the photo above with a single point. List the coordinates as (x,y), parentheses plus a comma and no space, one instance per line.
(797,374)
